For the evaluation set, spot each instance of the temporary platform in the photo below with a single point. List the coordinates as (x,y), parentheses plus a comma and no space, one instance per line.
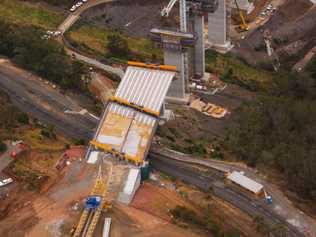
(131,117)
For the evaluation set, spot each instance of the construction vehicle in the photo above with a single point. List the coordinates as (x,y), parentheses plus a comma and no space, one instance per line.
(268,198)
(243,26)
(93,202)
(267,38)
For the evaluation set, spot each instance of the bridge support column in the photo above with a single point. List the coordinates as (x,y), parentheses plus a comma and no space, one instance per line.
(199,48)
(218,28)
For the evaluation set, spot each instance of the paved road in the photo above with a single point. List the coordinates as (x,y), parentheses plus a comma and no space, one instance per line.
(281,205)
(300,65)
(45,103)
(68,22)
(118,72)
(208,183)
(74,16)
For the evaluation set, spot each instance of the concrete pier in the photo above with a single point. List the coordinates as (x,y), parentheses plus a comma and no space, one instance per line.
(199,47)
(218,29)
(177,87)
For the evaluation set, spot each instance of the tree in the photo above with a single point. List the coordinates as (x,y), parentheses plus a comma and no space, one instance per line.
(278,129)
(47,58)
(23,118)
(3,147)
(117,45)
(79,142)
(312,68)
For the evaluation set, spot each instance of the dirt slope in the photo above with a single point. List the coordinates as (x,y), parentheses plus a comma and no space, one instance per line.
(293,28)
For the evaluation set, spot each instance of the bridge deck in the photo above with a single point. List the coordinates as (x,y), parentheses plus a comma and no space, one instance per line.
(126,130)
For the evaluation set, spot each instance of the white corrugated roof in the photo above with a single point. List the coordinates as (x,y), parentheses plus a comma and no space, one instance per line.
(129,112)
(131,180)
(145,87)
(245,182)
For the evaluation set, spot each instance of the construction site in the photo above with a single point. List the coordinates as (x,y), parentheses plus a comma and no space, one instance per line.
(151,163)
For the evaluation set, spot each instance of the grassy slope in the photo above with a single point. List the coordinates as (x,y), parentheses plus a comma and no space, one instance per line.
(93,39)
(23,13)
(242,73)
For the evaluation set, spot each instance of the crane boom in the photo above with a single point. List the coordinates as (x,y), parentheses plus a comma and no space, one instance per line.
(243,25)
(166,10)
(182,7)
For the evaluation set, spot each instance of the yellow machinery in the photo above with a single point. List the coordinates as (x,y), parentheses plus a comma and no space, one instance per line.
(152,66)
(136,159)
(89,218)
(243,24)
(137,107)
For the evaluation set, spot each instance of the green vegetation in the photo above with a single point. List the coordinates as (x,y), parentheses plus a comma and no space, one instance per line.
(46,58)
(67,3)
(233,70)
(79,142)
(267,229)
(117,45)
(24,172)
(311,68)
(3,147)
(21,13)
(278,129)
(48,132)
(189,134)
(206,221)
(9,118)
(95,40)
(23,118)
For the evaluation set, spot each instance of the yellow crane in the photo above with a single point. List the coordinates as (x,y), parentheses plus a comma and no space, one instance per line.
(89,218)
(243,24)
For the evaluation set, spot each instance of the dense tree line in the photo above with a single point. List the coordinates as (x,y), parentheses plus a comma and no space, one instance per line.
(47,58)
(278,129)
(312,68)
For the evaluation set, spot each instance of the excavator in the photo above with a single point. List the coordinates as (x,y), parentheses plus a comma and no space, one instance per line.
(243,26)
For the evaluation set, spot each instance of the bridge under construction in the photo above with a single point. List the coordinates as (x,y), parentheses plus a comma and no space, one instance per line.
(132,114)
(125,132)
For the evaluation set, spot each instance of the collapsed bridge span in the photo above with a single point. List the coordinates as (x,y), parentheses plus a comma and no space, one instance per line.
(132,114)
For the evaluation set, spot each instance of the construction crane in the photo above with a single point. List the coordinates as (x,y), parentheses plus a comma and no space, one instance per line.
(267,38)
(166,10)
(184,71)
(182,6)
(94,205)
(243,24)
